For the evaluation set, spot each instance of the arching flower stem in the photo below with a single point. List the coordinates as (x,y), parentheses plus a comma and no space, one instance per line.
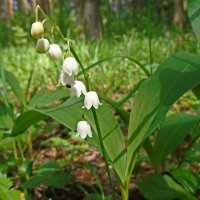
(67,40)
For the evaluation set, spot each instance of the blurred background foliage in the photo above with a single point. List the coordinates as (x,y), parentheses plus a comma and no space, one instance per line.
(99,29)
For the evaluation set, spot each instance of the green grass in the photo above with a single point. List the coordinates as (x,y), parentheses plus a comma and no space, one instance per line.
(113,76)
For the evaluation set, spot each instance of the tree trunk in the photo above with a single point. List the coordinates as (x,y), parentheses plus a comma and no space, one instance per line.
(92,18)
(178,19)
(79,6)
(6,11)
(3,7)
(23,6)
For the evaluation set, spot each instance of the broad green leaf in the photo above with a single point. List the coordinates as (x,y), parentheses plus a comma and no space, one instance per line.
(69,114)
(25,120)
(156,95)
(157,187)
(49,174)
(187,179)
(194,16)
(171,134)
(48,97)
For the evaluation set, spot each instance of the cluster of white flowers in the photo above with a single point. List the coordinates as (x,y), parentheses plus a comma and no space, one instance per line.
(67,76)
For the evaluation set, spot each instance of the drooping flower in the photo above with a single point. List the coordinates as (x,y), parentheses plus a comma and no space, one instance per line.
(77,89)
(84,129)
(55,51)
(70,66)
(91,99)
(37,29)
(66,80)
(42,45)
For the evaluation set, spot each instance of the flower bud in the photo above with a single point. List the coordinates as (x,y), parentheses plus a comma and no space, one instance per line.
(37,29)
(84,129)
(91,99)
(55,51)
(70,66)
(66,80)
(77,89)
(42,45)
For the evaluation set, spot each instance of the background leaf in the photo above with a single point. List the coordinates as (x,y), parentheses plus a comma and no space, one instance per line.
(6,119)
(49,174)
(187,179)
(5,192)
(157,187)
(25,120)
(14,84)
(171,134)
(194,16)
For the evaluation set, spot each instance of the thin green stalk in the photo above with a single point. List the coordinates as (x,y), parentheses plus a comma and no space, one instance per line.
(21,150)
(15,150)
(149,35)
(103,148)
(124,191)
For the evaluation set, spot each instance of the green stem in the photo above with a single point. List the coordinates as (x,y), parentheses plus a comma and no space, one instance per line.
(21,150)
(124,192)
(149,35)
(103,148)
(36,14)
(15,150)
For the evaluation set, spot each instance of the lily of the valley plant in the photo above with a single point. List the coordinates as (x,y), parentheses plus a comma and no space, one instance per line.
(96,122)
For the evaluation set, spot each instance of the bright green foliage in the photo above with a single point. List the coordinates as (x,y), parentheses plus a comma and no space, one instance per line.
(156,95)
(157,187)
(49,174)
(6,193)
(171,134)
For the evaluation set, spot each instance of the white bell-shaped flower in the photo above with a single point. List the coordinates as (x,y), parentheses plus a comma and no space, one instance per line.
(55,51)
(37,29)
(77,89)
(66,80)
(84,129)
(91,99)
(42,45)
(70,66)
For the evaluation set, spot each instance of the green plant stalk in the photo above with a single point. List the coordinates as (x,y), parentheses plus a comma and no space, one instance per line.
(103,148)
(125,187)
(56,28)
(21,150)
(15,150)
(149,35)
